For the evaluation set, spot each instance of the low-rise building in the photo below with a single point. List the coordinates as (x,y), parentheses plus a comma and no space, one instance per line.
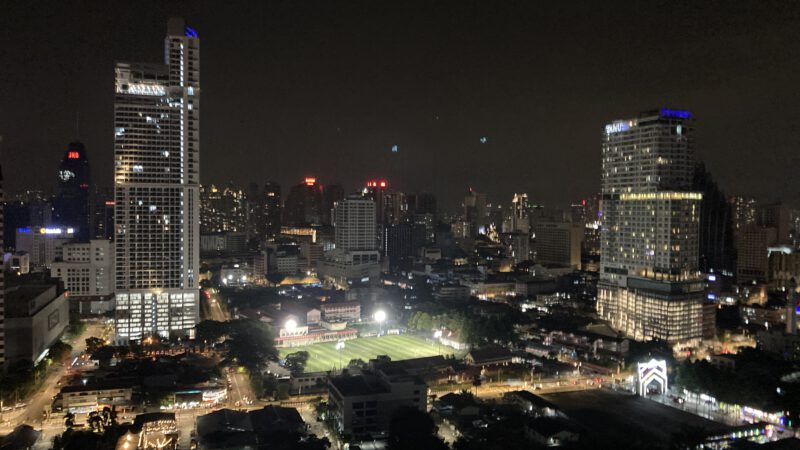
(341,311)
(363,404)
(84,398)
(489,356)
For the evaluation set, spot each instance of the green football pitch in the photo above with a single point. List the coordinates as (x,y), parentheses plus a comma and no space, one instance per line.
(323,357)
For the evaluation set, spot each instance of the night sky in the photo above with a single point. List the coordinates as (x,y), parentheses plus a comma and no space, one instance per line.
(295,88)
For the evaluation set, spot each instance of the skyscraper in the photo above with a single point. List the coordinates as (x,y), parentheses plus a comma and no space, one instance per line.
(304,204)
(356,258)
(271,198)
(71,203)
(156,189)
(650,287)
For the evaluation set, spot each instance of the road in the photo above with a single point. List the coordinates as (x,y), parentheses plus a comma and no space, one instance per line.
(40,403)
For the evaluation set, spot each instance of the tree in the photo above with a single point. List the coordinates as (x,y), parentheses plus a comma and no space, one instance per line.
(93,343)
(412,429)
(296,362)
(69,420)
(251,344)
(211,330)
(60,351)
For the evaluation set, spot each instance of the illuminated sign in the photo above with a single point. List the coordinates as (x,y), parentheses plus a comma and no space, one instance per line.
(675,113)
(24,230)
(617,127)
(73,155)
(55,230)
(310,181)
(110,203)
(665,195)
(142,89)
(190,32)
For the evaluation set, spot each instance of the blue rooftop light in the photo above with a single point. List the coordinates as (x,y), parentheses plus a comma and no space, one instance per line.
(676,113)
(190,32)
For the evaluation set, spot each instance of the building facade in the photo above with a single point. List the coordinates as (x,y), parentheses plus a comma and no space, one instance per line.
(156,189)
(86,268)
(71,202)
(649,286)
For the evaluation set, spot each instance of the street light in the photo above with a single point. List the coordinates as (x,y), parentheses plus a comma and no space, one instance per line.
(380,316)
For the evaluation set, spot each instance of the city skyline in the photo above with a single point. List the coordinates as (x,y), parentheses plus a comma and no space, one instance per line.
(505,111)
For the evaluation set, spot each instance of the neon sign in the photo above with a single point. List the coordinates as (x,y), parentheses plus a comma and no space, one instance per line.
(310,181)
(617,127)
(73,155)
(676,113)
(190,32)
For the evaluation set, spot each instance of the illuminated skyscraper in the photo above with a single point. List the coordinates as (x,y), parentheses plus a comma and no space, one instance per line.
(650,287)
(71,203)
(156,189)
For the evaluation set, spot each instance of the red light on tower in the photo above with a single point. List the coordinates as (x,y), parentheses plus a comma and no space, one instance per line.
(73,155)
(310,181)
(583,202)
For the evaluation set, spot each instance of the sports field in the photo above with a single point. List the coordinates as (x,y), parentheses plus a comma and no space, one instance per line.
(324,356)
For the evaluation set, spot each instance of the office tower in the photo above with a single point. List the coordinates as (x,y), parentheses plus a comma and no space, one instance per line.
(421,203)
(71,202)
(356,258)
(102,219)
(402,241)
(520,222)
(558,242)
(744,211)
(156,190)
(754,240)
(475,213)
(650,287)
(303,205)
(717,240)
(332,194)
(271,198)
(377,191)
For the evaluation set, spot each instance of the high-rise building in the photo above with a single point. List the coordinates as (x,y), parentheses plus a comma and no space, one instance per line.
(356,258)
(744,211)
(304,204)
(650,286)
(332,194)
(71,202)
(475,212)
(156,190)
(271,198)
(355,223)
(717,240)
(558,243)
(102,214)
(86,269)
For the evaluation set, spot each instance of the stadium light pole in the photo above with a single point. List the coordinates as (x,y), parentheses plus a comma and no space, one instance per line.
(339,348)
(380,316)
